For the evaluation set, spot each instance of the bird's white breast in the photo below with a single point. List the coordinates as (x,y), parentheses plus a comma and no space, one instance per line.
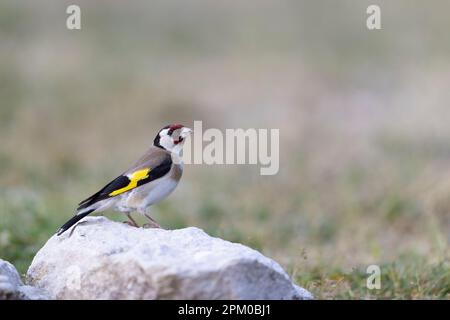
(150,193)
(158,191)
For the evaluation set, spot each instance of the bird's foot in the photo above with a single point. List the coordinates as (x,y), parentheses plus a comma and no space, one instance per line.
(131,221)
(151,225)
(151,222)
(131,224)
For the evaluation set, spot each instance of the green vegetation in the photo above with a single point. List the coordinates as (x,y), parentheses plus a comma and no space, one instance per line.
(410,278)
(363,119)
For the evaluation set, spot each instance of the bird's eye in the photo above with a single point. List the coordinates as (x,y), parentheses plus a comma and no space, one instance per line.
(175,134)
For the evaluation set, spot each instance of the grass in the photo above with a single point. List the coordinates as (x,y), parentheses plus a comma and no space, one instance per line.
(363,118)
(409,278)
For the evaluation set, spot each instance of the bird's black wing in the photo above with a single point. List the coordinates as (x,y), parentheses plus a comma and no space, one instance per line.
(124,183)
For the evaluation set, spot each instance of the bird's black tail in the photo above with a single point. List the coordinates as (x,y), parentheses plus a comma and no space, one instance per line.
(72,221)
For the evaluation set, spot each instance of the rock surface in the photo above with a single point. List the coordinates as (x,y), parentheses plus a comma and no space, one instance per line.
(12,288)
(109,260)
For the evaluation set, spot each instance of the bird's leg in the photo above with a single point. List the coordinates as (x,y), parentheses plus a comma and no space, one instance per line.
(152,223)
(131,222)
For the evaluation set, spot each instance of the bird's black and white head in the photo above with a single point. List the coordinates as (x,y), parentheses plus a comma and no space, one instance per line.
(171,137)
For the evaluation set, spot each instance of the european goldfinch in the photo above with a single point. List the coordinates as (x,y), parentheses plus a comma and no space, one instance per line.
(151,179)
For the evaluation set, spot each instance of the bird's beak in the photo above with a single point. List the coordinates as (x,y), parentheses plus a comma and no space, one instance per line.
(185,132)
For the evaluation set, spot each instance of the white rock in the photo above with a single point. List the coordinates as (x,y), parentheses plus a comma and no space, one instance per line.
(109,260)
(11,286)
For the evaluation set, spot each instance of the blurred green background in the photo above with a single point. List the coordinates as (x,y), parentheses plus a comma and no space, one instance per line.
(363,117)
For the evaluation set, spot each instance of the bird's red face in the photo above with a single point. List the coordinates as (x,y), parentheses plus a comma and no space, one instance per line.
(171,136)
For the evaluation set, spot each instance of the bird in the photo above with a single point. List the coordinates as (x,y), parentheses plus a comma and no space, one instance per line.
(148,181)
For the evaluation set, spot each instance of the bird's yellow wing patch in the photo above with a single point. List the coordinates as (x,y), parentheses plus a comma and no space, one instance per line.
(135,177)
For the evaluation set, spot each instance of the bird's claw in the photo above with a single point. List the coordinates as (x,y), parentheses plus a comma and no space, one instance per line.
(130,224)
(151,225)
